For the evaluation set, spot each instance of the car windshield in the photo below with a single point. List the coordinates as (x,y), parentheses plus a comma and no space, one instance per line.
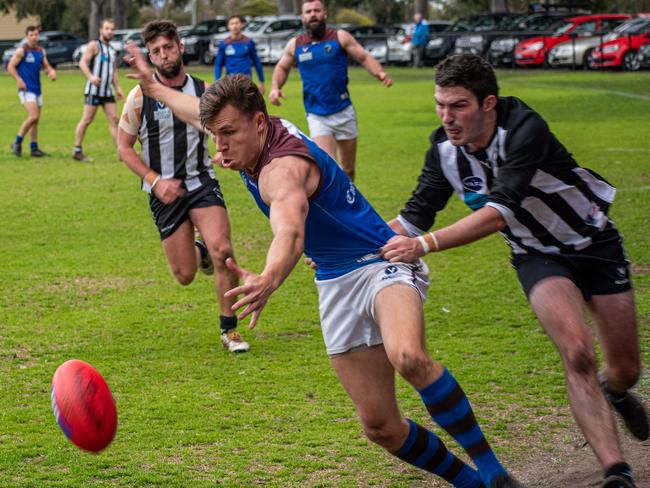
(563,29)
(636,26)
(510,23)
(255,25)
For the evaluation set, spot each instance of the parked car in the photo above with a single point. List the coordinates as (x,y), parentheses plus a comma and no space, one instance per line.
(643,56)
(534,51)
(375,38)
(270,33)
(502,49)
(400,43)
(117,43)
(441,44)
(479,42)
(579,52)
(59,46)
(197,40)
(622,51)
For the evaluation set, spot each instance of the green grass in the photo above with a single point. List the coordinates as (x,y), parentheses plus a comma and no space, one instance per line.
(83,276)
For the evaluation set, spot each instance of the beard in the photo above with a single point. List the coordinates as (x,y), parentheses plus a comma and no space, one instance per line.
(172,71)
(316,30)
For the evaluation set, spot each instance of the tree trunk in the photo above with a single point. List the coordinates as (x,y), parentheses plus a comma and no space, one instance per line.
(95,18)
(119,13)
(297,6)
(286,7)
(422,7)
(498,6)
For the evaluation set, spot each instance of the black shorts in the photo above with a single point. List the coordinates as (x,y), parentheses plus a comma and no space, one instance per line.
(168,218)
(95,100)
(600,269)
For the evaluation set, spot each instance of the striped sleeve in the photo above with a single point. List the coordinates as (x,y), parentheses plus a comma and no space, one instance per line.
(132,112)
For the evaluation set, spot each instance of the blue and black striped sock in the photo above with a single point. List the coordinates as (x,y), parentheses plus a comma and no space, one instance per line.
(450,408)
(426,450)
(19,139)
(33,145)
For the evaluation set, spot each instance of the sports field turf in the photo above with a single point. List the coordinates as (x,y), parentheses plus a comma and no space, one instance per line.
(83,276)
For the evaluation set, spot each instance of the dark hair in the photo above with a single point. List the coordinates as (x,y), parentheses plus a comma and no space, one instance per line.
(236,90)
(469,71)
(31,28)
(157,28)
(236,16)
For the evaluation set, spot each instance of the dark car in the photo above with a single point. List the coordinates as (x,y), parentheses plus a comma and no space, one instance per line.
(374,38)
(197,40)
(442,44)
(643,56)
(59,47)
(502,48)
(479,42)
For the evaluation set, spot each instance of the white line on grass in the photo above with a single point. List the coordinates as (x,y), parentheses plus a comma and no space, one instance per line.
(635,96)
(628,149)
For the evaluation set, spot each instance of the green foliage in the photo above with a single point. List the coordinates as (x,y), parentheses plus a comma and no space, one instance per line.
(84,276)
(259,7)
(349,16)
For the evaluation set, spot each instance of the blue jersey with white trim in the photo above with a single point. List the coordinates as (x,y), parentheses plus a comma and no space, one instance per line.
(343,232)
(238,56)
(323,67)
(29,68)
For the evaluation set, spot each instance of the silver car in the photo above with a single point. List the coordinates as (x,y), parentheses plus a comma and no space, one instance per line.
(577,52)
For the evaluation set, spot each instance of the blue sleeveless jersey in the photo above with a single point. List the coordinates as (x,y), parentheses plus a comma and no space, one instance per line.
(238,57)
(29,68)
(323,67)
(343,232)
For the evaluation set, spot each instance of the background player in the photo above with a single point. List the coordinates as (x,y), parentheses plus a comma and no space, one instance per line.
(177,172)
(25,67)
(321,55)
(99,64)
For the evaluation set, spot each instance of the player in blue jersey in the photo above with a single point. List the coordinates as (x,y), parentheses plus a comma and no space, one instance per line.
(237,53)
(25,66)
(321,55)
(371,310)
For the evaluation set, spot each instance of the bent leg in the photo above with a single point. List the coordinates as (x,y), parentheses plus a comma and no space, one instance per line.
(369,379)
(347,151)
(559,306)
(86,119)
(181,253)
(214,227)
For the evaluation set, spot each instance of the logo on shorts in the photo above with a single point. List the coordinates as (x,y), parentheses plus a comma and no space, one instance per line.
(473,183)
(351,194)
(390,272)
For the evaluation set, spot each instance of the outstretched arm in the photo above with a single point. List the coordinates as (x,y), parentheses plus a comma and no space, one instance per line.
(185,107)
(363,57)
(284,186)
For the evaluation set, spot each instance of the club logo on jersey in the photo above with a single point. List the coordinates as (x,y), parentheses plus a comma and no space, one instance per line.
(161,111)
(104,58)
(302,57)
(351,194)
(473,183)
(328,49)
(29,58)
(230,51)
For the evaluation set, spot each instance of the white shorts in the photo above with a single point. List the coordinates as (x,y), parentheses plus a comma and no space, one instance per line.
(26,97)
(342,125)
(347,303)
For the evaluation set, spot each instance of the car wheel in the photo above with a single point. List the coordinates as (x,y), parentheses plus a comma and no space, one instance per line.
(631,61)
(205,57)
(588,61)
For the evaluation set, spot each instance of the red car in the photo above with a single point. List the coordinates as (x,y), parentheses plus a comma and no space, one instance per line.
(622,51)
(533,51)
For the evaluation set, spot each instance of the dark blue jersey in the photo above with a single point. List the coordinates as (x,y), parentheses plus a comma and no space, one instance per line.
(343,232)
(238,56)
(29,68)
(323,66)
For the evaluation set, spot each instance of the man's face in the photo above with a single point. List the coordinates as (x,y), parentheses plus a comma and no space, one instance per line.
(106,31)
(32,38)
(463,119)
(235,26)
(313,15)
(238,137)
(417,18)
(166,55)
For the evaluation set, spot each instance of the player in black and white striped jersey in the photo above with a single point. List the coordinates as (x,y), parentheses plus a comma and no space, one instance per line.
(176,171)
(500,157)
(99,64)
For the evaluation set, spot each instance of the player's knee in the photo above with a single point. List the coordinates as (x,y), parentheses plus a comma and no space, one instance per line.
(219,253)
(412,364)
(33,119)
(581,360)
(380,432)
(624,373)
(183,276)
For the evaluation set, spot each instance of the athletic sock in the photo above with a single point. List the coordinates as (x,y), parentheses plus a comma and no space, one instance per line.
(227,323)
(77,149)
(450,408)
(424,449)
(620,468)
(33,145)
(19,140)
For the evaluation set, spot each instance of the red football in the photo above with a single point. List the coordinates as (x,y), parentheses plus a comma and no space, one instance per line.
(83,405)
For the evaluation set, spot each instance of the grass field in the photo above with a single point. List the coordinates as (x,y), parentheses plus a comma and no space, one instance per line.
(83,276)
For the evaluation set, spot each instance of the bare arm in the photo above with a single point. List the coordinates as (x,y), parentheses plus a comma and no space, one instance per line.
(11,67)
(116,83)
(185,107)
(281,72)
(84,62)
(51,72)
(284,186)
(479,224)
(363,57)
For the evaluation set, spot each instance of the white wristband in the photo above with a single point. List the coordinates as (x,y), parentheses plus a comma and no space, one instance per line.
(424,244)
(435,241)
(154,183)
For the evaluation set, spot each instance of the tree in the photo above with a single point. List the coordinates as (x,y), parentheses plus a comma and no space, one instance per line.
(119,13)
(422,7)
(286,7)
